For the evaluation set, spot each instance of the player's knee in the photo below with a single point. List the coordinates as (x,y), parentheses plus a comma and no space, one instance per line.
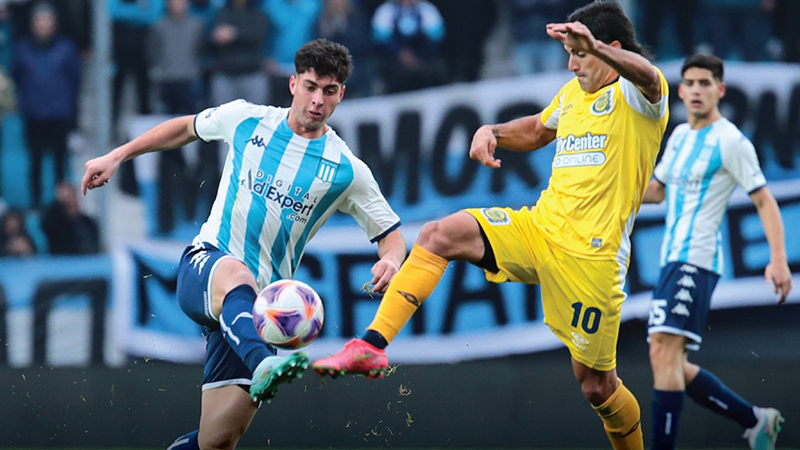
(434,238)
(230,274)
(665,351)
(595,391)
(220,440)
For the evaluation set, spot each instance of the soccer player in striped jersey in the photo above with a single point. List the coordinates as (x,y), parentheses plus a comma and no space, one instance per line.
(703,162)
(285,174)
(607,123)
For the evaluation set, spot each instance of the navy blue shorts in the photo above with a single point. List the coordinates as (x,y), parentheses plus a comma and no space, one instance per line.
(681,300)
(223,367)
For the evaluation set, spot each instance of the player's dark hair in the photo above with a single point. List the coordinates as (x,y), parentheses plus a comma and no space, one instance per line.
(608,23)
(708,62)
(326,58)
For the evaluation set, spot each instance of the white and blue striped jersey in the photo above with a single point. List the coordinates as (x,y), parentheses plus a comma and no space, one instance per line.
(278,188)
(700,169)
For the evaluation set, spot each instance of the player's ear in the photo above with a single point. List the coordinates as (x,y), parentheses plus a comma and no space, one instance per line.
(616,44)
(292,83)
(341,92)
(723,89)
(680,90)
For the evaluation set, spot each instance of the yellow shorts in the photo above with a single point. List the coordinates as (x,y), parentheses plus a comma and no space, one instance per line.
(581,298)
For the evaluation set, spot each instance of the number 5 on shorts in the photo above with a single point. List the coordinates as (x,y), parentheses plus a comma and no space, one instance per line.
(657,312)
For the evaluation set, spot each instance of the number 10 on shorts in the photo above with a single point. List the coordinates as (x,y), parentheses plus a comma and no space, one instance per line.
(591,317)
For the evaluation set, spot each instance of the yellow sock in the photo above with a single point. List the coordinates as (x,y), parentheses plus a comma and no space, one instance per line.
(414,283)
(621,419)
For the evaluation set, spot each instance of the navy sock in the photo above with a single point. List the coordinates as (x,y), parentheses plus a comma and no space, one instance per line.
(376,339)
(237,326)
(186,442)
(707,390)
(667,407)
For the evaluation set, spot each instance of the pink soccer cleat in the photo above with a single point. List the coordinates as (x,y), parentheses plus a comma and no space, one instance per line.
(357,358)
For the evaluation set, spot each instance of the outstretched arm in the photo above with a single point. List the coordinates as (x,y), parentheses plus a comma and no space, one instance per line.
(171,134)
(520,135)
(629,65)
(777,271)
(392,253)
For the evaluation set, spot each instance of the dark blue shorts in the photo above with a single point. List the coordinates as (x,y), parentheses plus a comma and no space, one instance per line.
(681,301)
(223,367)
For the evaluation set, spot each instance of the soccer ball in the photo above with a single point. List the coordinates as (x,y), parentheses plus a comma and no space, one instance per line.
(288,314)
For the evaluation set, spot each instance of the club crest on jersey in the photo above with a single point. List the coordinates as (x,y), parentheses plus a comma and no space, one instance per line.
(326,171)
(604,103)
(496,216)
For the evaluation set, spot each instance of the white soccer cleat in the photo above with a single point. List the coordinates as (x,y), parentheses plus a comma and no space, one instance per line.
(765,432)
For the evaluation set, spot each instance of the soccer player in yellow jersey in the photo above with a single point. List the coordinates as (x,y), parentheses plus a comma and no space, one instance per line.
(608,123)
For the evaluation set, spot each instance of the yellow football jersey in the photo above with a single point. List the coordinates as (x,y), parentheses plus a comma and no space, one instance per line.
(606,148)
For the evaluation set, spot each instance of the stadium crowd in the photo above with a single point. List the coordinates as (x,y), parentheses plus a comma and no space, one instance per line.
(180,56)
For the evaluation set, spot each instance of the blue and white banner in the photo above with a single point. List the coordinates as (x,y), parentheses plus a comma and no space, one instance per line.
(78,311)
(466,317)
(417,145)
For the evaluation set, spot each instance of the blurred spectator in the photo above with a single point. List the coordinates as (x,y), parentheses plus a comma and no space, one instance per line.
(343,22)
(467,31)
(75,18)
(534,50)
(14,238)
(683,13)
(410,34)
(744,25)
(7,99)
(206,12)
(6,28)
(132,21)
(176,44)
(237,39)
(68,230)
(787,13)
(46,69)
(293,24)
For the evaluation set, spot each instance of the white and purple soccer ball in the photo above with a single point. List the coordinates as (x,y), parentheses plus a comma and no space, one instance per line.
(288,314)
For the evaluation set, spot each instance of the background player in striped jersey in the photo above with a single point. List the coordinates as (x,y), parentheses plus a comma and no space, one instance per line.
(608,123)
(703,162)
(285,174)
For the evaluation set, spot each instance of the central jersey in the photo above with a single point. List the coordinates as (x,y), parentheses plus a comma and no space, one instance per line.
(277,188)
(606,148)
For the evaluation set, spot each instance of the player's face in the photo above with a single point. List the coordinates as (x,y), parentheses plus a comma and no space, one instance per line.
(700,91)
(315,98)
(591,71)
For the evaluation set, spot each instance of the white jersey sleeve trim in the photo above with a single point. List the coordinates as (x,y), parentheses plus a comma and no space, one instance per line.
(379,237)
(640,103)
(552,121)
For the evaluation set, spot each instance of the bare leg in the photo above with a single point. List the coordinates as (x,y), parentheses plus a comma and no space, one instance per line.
(226,414)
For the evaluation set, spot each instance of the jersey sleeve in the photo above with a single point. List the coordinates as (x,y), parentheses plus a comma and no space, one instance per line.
(214,124)
(638,102)
(368,206)
(741,162)
(551,114)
